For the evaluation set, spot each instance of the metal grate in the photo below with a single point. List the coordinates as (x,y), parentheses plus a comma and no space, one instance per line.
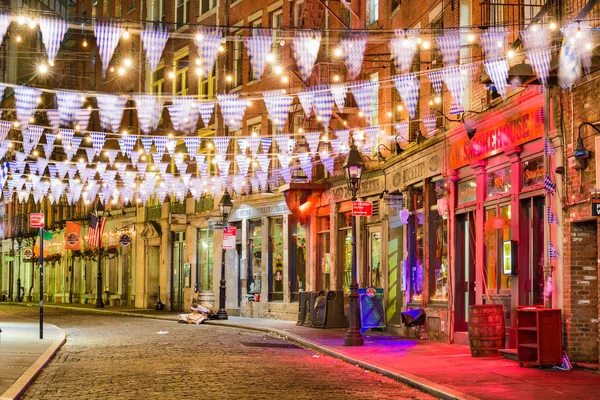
(375,208)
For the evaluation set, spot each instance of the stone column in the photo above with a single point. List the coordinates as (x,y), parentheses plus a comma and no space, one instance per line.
(480,180)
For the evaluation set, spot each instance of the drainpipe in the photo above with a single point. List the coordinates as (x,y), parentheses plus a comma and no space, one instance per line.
(547,236)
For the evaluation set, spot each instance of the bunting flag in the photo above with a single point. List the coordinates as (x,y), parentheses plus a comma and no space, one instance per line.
(569,67)
(126,143)
(53,31)
(343,136)
(208,40)
(160,144)
(552,253)
(284,161)
(254,144)
(403,48)
(149,110)
(548,148)
(107,35)
(266,143)
(278,106)
(262,179)
(206,109)
(401,129)
(263,161)
(549,186)
(224,167)
(66,136)
(365,93)
(329,164)
(449,46)
(49,146)
(498,73)
(90,153)
(579,36)
(232,109)
(134,156)
(306,44)
(146,143)
(430,125)
(111,108)
(82,118)
(192,144)
(312,139)
(53,117)
(371,142)
(286,175)
(68,103)
(306,164)
(436,79)
(25,104)
(353,47)
(537,41)
(221,144)
(408,88)
(4,24)
(243,145)
(307,100)
(339,96)
(455,80)
(551,217)
(154,38)
(258,46)
(494,42)
(42,163)
(5,127)
(171,144)
(336,145)
(32,135)
(184,114)
(243,164)
(283,143)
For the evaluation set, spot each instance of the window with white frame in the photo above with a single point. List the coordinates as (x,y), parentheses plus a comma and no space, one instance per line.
(208,85)
(373,11)
(238,59)
(276,22)
(158,80)
(181,67)
(298,8)
(207,5)
(182,12)
(375,110)
(156,10)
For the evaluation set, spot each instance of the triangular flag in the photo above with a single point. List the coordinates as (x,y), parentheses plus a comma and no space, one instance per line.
(258,46)
(221,144)
(26,104)
(149,110)
(232,109)
(266,143)
(339,96)
(278,106)
(208,40)
(306,164)
(403,47)
(307,101)
(306,45)
(353,47)
(98,139)
(449,46)
(323,105)
(4,24)
(82,118)
(365,94)
(53,117)
(111,108)
(53,31)
(263,161)
(498,73)
(243,164)
(107,35)
(192,144)
(206,109)
(312,139)
(154,38)
(68,103)
(408,88)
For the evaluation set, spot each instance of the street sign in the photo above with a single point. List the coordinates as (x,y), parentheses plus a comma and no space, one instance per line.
(125,239)
(229,234)
(215,225)
(595,207)
(362,208)
(36,220)
(27,253)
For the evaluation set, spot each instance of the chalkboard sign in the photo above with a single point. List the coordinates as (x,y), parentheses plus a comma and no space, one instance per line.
(595,207)
(372,312)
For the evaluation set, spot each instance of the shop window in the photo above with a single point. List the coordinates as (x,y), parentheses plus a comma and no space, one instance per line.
(498,248)
(438,248)
(255,257)
(467,192)
(205,259)
(375,258)
(498,182)
(276,258)
(345,235)
(415,245)
(298,259)
(533,172)
(324,256)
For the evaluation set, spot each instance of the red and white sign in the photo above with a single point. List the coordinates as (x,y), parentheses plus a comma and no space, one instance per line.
(36,220)
(229,234)
(362,208)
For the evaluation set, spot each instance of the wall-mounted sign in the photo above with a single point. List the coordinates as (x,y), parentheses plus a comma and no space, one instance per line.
(178,219)
(255,212)
(36,220)
(27,253)
(533,172)
(595,207)
(215,225)
(362,209)
(229,235)
(125,239)
(394,200)
(498,182)
(467,191)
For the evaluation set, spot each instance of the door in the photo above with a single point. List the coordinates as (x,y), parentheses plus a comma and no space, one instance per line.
(238,258)
(177,272)
(465,268)
(532,252)
(374,274)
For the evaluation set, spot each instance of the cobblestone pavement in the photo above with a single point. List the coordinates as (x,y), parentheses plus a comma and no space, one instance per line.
(115,357)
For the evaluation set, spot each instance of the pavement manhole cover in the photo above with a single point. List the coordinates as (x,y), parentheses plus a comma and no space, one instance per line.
(271,345)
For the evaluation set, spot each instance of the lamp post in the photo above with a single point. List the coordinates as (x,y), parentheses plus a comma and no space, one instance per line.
(353,168)
(99,213)
(19,247)
(225,206)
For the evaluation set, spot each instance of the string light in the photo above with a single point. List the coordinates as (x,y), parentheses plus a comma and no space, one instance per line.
(221,49)
(400,108)
(270,58)
(171,75)
(278,70)
(426,45)
(510,53)
(361,114)
(471,38)
(18,39)
(578,34)
(121,71)
(229,78)
(85,43)
(337,52)
(336,78)
(552,26)
(32,24)
(198,61)
(112,69)
(285,79)
(127,62)
(126,33)
(42,68)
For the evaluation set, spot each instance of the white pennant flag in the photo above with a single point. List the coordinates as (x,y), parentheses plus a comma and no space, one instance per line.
(53,31)
(307,100)
(206,109)
(353,48)
(278,106)
(207,42)
(107,35)
(306,46)
(154,38)
(111,108)
(68,104)
(26,104)
(339,96)
(232,109)
(149,110)
(258,46)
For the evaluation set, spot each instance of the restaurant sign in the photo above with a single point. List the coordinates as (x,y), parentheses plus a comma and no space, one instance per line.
(491,139)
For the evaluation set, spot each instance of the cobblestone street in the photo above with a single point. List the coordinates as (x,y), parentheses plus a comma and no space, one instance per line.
(126,358)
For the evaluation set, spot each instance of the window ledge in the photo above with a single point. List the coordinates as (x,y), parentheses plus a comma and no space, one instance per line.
(236,89)
(183,28)
(207,14)
(235,3)
(395,11)
(252,82)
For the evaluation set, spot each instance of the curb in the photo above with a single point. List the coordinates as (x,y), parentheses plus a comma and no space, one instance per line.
(21,384)
(422,384)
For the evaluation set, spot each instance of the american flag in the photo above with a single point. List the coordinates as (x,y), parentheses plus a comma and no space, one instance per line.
(93,230)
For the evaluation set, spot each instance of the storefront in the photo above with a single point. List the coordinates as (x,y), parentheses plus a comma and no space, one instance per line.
(497,211)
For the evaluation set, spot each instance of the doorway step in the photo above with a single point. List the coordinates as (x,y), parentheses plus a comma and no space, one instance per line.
(509,354)
(461,338)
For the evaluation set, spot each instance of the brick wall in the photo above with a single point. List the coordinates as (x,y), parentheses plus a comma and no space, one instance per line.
(581,292)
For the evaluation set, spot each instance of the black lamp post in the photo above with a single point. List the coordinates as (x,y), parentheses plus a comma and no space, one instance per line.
(225,207)
(99,213)
(19,244)
(353,167)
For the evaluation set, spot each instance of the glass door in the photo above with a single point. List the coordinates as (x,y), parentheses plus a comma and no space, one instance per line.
(177,273)
(532,251)
(465,268)
(374,274)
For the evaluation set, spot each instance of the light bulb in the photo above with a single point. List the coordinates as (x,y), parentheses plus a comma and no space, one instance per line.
(438,99)
(38,100)
(510,53)
(199,36)
(278,70)
(198,71)
(552,25)
(426,45)
(270,58)
(128,62)
(471,38)
(18,39)
(32,120)
(126,33)
(121,71)
(337,52)
(578,34)
(284,79)
(42,68)
(361,114)
(84,44)
(32,24)
(198,61)
(249,103)
(171,75)
(389,114)
(336,78)
(221,48)
(282,42)
(400,108)
(112,69)
(229,78)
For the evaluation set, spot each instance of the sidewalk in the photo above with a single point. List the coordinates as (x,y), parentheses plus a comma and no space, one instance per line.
(23,355)
(445,371)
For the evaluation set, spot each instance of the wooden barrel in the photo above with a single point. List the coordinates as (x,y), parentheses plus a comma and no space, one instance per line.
(486,329)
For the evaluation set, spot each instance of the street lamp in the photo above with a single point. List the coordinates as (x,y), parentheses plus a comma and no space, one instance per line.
(20,247)
(99,213)
(225,206)
(353,167)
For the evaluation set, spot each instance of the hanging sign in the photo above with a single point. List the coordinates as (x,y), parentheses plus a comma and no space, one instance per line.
(125,239)
(27,253)
(215,225)
(362,208)
(36,220)
(595,207)
(229,235)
